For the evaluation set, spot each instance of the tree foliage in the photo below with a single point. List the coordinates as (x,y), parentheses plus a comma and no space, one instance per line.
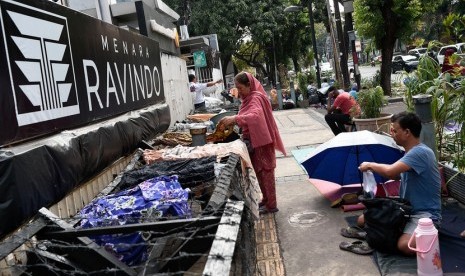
(253,31)
(227,19)
(454,25)
(385,21)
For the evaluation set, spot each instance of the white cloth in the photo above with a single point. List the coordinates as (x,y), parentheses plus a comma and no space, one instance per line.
(324,89)
(197,88)
(211,102)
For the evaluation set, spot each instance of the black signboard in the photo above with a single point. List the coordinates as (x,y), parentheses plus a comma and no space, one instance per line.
(61,69)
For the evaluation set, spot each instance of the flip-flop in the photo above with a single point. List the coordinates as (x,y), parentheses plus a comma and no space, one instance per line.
(357,247)
(345,199)
(353,232)
(350,198)
(336,203)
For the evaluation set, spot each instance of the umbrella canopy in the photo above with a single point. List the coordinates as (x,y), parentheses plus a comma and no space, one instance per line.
(338,159)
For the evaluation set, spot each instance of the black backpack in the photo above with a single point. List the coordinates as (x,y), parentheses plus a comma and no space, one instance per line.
(313,96)
(385,219)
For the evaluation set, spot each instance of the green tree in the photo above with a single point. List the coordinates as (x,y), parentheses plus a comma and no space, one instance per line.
(386,21)
(454,25)
(250,55)
(227,19)
(253,31)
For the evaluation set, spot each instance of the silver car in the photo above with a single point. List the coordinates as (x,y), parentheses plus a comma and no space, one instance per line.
(406,63)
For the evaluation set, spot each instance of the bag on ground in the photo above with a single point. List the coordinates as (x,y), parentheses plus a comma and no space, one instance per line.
(385,219)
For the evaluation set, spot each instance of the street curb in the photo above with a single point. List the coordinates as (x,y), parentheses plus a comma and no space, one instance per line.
(395,99)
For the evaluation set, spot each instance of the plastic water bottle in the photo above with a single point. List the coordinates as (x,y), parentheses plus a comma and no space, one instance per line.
(427,248)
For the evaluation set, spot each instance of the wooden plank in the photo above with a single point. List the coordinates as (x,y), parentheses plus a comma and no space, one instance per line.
(70,207)
(15,240)
(62,210)
(89,193)
(54,209)
(222,188)
(81,254)
(222,251)
(159,229)
(77,201)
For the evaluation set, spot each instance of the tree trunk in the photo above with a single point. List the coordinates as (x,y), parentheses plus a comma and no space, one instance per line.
(387,45)
(296,64)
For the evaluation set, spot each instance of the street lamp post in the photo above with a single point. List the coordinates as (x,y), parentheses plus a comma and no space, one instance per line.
(278,86)
(312,27)
(315,49)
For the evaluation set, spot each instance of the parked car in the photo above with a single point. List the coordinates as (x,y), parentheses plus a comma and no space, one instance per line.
(350,63)
(325,68)
(418,52)
(458,48)
(404,62)
(378,58)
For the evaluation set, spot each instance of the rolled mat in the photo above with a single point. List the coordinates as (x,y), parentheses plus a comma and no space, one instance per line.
(333,191)
(352,207)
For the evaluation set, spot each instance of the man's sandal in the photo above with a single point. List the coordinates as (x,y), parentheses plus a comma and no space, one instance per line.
(357,247)
(353,232)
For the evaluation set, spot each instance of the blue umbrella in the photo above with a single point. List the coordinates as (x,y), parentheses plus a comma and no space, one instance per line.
(337,160)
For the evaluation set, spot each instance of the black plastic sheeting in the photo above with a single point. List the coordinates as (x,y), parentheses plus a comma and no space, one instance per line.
(40,173)
(189,171)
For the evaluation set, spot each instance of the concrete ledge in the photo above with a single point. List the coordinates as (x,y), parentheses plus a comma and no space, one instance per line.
(395,99)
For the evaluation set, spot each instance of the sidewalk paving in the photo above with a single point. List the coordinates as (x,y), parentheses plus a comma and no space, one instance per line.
(307,228)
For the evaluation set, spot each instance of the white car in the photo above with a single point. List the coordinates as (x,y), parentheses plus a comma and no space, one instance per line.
(325,67)
(418,52)
(458,48)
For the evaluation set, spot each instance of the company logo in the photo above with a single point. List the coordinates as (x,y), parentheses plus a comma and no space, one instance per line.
(40,63)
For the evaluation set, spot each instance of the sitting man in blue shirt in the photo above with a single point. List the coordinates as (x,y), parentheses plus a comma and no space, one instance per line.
(418,172)
(353,91)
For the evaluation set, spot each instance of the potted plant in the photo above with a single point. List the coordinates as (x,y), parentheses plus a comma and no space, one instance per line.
(303,81)
(371,101)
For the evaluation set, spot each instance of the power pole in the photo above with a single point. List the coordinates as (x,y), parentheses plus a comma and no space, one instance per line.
(348,9)
(315,49)
(342,46)
(336,63)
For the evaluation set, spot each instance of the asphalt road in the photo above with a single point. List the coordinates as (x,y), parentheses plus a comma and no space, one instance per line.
(368,72)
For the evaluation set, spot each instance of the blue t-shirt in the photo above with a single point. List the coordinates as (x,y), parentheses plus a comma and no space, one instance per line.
(421,185)
(353,94)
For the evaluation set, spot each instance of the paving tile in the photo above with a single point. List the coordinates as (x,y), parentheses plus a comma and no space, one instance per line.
(273,267)
(268,251)
(269,259)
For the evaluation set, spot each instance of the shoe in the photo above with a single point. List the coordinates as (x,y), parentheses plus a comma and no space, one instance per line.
(345,199)
(261,204)
(265,210)
(353,232)
(357,247)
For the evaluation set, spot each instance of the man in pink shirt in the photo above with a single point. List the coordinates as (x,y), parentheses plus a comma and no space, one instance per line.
(339,111)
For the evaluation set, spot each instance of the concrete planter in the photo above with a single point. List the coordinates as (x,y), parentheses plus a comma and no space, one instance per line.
(455,182)
(381,124)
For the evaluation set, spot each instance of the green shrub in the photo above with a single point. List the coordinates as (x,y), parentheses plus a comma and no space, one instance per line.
(371,101)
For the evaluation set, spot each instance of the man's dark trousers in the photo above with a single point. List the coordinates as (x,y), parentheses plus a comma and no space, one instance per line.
(336,122)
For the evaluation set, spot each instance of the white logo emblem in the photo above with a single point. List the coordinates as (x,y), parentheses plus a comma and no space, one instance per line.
(42,53)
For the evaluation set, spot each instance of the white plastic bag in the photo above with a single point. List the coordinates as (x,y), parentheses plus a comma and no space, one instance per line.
(369,184)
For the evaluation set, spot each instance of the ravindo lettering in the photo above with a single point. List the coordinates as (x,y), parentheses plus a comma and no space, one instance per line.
(57,76)
(134,49)
(141,81)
